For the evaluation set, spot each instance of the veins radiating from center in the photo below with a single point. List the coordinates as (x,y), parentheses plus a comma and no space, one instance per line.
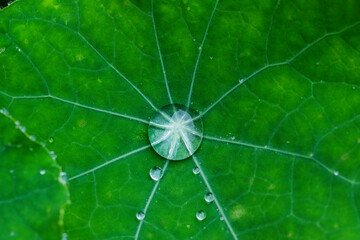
(178,130)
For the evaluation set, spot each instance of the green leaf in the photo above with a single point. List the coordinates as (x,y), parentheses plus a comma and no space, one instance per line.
(32,197)
(276,84)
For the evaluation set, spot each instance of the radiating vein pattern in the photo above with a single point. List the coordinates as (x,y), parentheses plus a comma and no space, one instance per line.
(276,84)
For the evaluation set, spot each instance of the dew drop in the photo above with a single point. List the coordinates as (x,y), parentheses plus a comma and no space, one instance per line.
(51,139)
(63,177)
(241,80)
(209,197)
(4,111)
(200,215)
(64,236)
(53,155)
(336,173)
(196,170)
(211,58)
(22,128)
(17,123)
(221,218)
(176,132)
(140,215)
(32,138)
(156,173)
(42,172)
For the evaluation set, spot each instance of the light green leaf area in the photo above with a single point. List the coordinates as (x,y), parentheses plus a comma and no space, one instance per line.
(32,196)
(276,83)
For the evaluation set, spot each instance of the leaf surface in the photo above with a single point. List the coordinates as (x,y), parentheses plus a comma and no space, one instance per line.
(276,84)
(32,197)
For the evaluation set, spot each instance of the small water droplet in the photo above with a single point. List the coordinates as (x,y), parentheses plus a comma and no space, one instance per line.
(188,226)
(156,173)
(63,177)
(140,215)
(209,197)
(12,234)
(194,39)
(4,111)
(200,215)
(336,173)
(211,58)
(51,139)
(22,128)
(42,172)
(11,171)
(196,170)
(53,155)
(221,218)
(17,123)
(200,48)
(2,49)
(64,236)
(241,80)
(32,138)
(232,138)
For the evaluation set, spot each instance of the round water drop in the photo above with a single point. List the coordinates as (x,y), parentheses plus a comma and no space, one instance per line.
(32,138)
(51,139)
(209,197)
(140,215)
(42,172)
(64,236)
(176,132)
(156,173)
(63,177)
(200,215)
(196,170)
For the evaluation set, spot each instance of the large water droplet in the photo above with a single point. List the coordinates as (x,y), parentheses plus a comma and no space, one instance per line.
(156,173)
(200,215)
(196,170)
(209,197)
(175,133)
(51,139)
(140,215)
